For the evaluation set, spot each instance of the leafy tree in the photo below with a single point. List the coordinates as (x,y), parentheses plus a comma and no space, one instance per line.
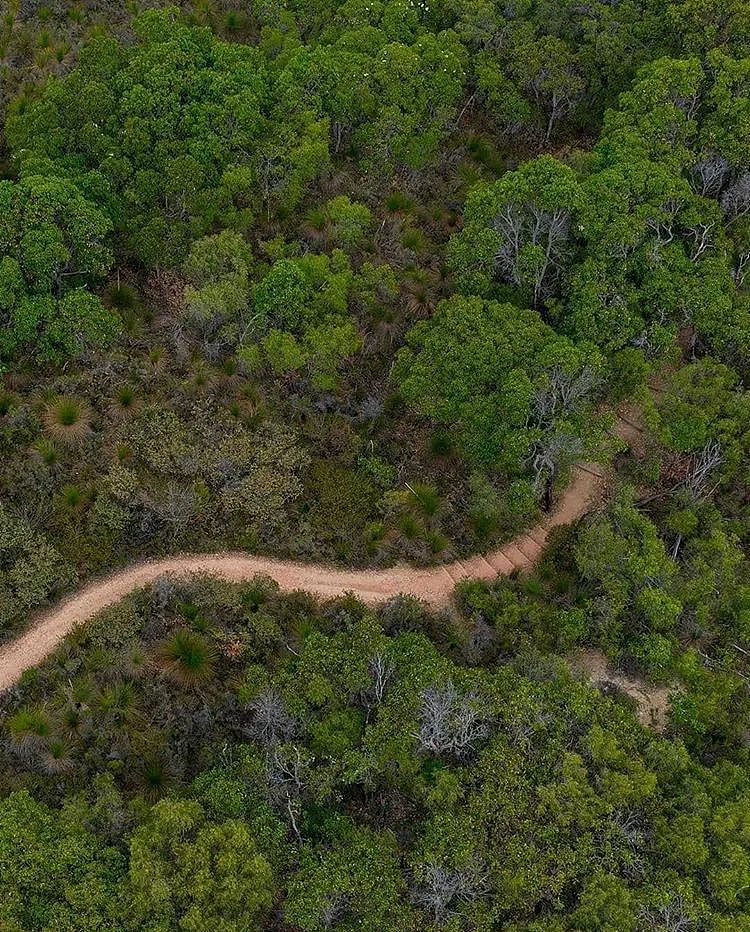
(632,576)
(53,242)
(217,269)
(187,871)
(541,65)
(54,873)
(547,72)
(355,883)
(519,230)
(488,370)
(304,301)
(658,258)
(31,568)
(391,97)
(178,133)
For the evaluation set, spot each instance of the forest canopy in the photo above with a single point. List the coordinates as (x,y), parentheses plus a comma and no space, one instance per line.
(378,283)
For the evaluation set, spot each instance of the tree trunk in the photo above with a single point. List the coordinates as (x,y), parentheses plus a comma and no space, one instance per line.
(548,494)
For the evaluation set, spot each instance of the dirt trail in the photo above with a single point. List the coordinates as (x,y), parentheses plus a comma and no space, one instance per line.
(434,585)
(652,701)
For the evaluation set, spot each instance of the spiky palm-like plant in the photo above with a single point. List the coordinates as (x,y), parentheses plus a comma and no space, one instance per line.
(57,758)
(125,401)
(188,658)
(29,727)
(72,496)
(46,451)
(154,776)
(67,419)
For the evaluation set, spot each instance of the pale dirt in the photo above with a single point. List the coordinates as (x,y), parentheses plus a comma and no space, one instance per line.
(652,702)
(433,585)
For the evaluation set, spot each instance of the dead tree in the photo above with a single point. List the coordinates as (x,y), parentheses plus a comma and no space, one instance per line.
(451,724)
(442,891)
(548,457)
(381,672)
(562,393)
(702,466)
(672,916)
(271,722)
(709,174)
(481,641)
(178,509)
(735,202)
(334,911)
(285,773)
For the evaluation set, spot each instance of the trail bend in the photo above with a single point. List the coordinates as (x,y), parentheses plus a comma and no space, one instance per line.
(434,585)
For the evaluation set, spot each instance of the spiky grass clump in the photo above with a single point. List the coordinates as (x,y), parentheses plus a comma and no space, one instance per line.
(29,727)
(123,297)
(67,419)
(57,758)
(126,397)
(47,451)
(72,496)
(155,776)
(125,401)
(425,499)
(188,658)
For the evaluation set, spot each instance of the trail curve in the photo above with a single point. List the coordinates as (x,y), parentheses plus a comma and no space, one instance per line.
(434,585)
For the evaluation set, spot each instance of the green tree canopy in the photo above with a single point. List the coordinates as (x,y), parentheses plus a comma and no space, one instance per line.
(175,134)
(53,242)
(192,874)
(54,873)
(519,230)
(494,374)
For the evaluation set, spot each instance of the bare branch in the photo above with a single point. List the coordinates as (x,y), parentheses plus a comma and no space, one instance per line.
(271,723)
(735,201)
(442,892)
(702,466)
(562,393)
(449,723)
(521,225)
(672,916)
(382,672)
(285,773)
(709,174)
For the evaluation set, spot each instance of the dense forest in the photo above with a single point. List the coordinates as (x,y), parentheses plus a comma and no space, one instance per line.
(360,283)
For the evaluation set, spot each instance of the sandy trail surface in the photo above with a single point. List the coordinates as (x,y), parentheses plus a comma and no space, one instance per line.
(434,585)
(652,702)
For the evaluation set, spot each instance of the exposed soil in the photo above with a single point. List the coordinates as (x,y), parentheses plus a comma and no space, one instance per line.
(433,585)
(652,702)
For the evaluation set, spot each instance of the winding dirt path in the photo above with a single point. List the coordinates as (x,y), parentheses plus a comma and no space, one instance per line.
(433,585)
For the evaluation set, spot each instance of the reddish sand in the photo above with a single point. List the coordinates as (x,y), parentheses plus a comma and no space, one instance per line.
(433,585)
(652,702)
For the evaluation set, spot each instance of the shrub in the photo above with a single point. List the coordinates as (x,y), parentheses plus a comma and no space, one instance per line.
(68,419)
(188,658)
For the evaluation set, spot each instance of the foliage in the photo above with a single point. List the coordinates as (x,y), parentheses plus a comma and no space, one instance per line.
(55,872)
(362,281)
(166,179)
(482,368)
(189,872)
(306,784)
(31,570)
(53,240)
